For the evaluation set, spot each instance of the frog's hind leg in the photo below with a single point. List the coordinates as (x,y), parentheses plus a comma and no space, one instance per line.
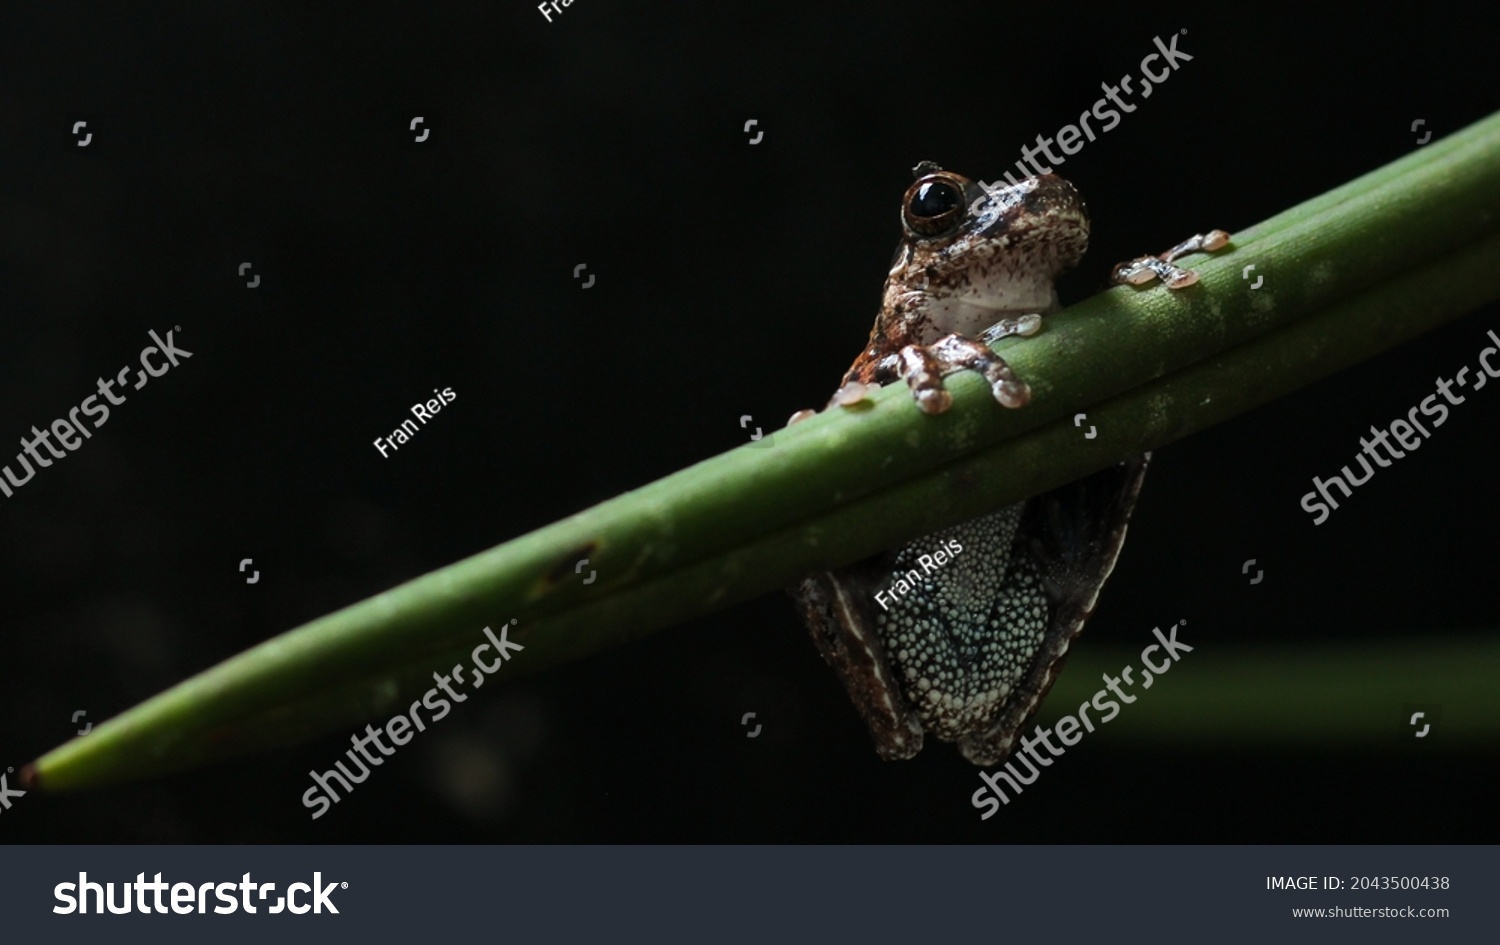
(1072,536)
(836,606)
(926,366)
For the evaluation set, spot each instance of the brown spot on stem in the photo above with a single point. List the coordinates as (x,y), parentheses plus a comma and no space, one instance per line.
(568,566)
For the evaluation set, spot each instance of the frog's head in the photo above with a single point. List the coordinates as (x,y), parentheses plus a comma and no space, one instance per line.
(973,249)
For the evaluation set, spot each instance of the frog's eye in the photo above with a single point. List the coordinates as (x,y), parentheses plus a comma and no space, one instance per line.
(933,206)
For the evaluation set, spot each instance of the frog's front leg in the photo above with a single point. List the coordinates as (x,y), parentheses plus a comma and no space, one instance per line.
(1143,270)
(925,366)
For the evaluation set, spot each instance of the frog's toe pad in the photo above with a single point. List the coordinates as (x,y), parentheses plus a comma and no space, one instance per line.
(933,400)
(852,393)
(1011,393)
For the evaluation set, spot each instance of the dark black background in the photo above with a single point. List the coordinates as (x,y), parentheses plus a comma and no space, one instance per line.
(730,280)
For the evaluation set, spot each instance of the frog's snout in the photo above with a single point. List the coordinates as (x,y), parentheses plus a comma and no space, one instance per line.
(1055,199)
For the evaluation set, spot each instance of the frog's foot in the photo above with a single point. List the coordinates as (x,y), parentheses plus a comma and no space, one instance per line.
(926,366)
(1143,270)
(1026,325)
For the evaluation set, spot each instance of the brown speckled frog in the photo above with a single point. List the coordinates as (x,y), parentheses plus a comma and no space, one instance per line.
(961,633)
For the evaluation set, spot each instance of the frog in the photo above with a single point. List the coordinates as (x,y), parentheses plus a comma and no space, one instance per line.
(960,634)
